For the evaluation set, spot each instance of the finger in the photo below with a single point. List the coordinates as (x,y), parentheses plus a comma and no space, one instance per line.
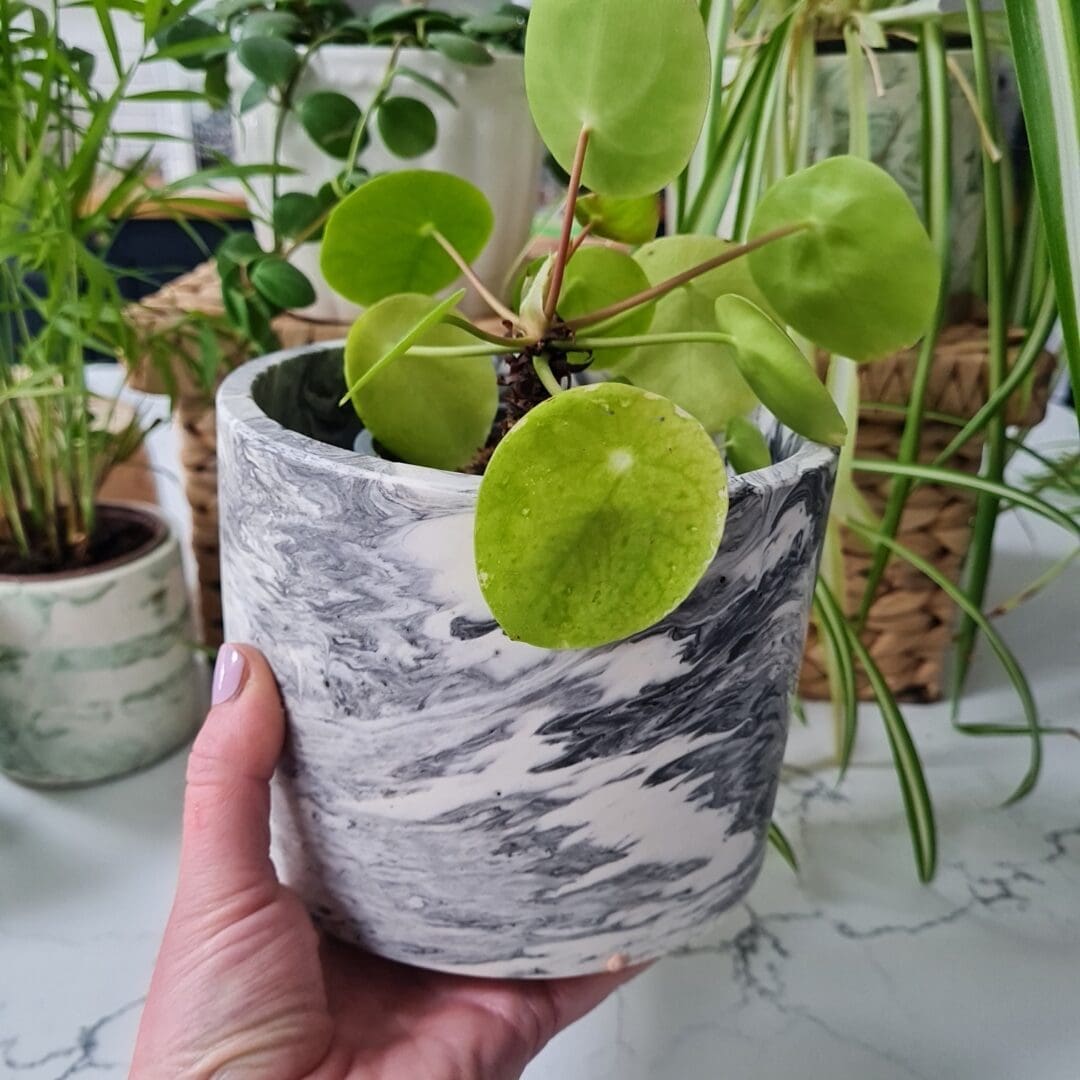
(226,841)
(571,999)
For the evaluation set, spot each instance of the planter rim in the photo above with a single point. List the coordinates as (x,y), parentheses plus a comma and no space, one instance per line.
(162,540)
(236,404)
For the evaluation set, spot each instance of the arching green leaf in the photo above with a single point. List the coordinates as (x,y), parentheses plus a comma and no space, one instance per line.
(379,241)
(597,516)
(779,373)
(634,72)
(461,48)
(431,411)
(862,279)
(702,377)
(747,449)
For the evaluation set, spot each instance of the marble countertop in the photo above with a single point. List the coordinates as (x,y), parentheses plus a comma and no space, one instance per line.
(850,971)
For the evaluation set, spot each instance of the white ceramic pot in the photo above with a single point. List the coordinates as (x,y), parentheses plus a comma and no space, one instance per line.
(489,139)
(457,800)
(97,670)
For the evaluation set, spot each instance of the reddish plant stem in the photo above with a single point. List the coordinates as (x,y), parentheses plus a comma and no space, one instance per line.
(563,253)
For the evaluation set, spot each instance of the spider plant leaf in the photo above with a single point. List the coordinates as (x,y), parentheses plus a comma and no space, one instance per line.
(1004,653)
(782,846)
(830,625)
(918,805)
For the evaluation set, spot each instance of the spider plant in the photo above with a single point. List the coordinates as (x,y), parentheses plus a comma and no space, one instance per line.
(58,294)
(759,131)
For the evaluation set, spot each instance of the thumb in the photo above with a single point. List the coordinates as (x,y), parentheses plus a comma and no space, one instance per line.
(225,852)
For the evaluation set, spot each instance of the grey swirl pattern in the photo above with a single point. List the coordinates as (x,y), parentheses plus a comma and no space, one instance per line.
(456,800)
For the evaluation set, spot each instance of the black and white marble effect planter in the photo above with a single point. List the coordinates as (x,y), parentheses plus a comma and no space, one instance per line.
(453,799)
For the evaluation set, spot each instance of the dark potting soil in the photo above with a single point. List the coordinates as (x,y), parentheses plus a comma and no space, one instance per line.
(122,534)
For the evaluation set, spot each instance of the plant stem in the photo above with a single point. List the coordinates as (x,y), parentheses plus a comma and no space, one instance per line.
(451,352)
(494,339)
(658,291)
(690,337)
(470,275)
(542,367)
(581,238)
(562,255)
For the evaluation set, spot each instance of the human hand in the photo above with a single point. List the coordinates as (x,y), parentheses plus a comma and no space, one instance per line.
(245,986)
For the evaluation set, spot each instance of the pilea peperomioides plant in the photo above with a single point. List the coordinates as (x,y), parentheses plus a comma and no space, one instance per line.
(603,496)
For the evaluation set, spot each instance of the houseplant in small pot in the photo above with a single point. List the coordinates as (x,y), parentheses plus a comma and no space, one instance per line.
(537,716)
(97,675)
(326,96)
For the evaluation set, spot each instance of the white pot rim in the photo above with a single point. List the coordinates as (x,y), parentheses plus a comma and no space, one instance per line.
(236,405)
(116,569)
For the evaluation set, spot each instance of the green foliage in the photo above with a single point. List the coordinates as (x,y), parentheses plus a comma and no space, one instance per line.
(58,293)
(601,506)
(407,126)
(779,373)
(629,221)
(382,240)
(331,119)
(700,376)
(598,514)
(429,411)
(825,280)
(643,118)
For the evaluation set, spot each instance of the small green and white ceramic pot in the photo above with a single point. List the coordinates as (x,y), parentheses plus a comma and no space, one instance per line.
(97,671)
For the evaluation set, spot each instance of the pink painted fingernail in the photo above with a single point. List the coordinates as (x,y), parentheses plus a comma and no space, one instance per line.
(229,672)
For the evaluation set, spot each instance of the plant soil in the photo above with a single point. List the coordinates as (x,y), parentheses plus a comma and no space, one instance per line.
(122,534)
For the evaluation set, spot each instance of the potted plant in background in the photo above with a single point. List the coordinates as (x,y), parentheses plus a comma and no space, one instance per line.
(553,699)
(97,674)
(324,97)
(914,518)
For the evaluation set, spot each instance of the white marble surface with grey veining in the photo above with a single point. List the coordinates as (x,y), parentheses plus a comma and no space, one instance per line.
(850,972)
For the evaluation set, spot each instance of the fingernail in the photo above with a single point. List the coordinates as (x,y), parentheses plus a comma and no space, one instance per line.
(229,672)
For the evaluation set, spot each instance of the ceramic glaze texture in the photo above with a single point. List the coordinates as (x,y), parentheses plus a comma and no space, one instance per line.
(97,675)
(459,801)
(488,138)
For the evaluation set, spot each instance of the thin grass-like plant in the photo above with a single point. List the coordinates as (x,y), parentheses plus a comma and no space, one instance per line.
(1028,275)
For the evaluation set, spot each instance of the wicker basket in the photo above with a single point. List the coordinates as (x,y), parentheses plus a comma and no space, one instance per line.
(165,316)
(910,622)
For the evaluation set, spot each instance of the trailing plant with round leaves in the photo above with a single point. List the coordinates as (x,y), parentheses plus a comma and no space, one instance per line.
(602,505)
(275,41)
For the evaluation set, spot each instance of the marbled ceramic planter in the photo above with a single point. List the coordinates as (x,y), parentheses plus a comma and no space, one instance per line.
(459,801)
(97,672)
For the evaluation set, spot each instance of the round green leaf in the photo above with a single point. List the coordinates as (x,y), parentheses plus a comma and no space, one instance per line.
(629,221)
(863,280)
(256,93)
(702,377)
(270,59)
(379,240)
(460,48)
(493,24)
(597,516)
(634,72)
(779,373)
(746,447)
(407,126)
(330,120)
(597,277)
(424,410)
(281,283)
(294,213)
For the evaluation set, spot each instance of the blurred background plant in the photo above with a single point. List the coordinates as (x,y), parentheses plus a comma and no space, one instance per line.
(927,90)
